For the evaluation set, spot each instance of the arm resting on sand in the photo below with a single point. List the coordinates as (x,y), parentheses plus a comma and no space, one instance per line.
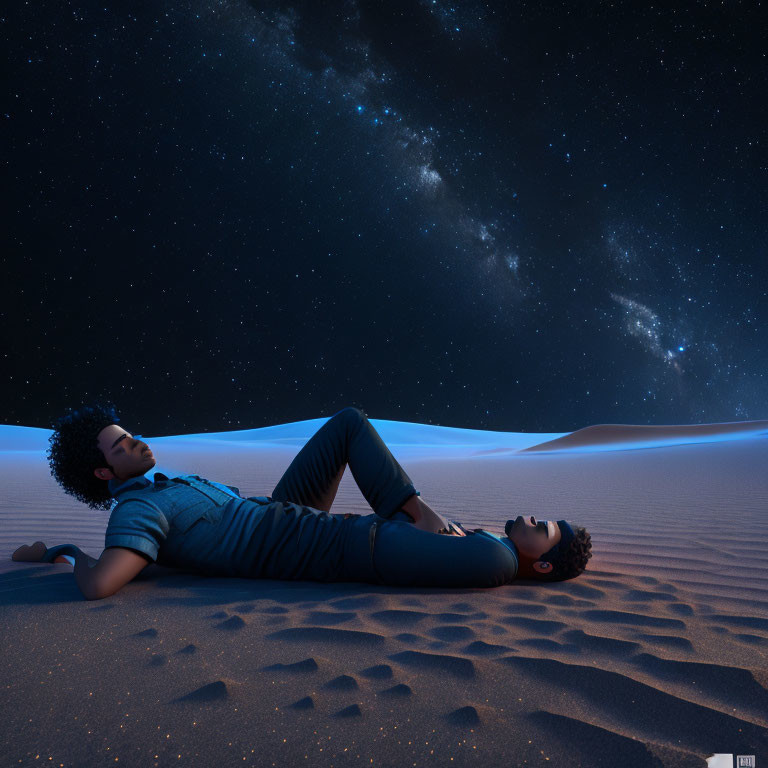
(85,567)
(112,571)
(95,578)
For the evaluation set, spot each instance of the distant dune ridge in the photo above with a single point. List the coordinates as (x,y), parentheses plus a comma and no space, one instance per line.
(615,435)
(656,656)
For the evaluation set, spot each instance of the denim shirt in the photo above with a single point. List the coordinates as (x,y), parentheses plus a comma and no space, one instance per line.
(158,519)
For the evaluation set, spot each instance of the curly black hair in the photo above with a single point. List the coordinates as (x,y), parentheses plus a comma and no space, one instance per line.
(74,453)
(570,561)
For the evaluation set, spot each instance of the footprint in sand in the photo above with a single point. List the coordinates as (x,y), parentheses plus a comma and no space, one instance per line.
(378,672)
(480,648)
(452,617)
(644,596)
(464,716)
(452,633)
(436,662)
(350,603)
(152,632)
(305,703)
(399,690)
(610,583)
(599,644)
(751,639)
(399,619)
(571,602)
(549,645)
(668,641)
(636,619)
(535,608)
(681,609)
(525,594)
(216,691)
(188,649)
(342,683)
(353,710)
(583,590)
(232,624)
(540,626)
(329,618)
(408,638)
(462,607)
(744,622)
(313,635)
(303,666)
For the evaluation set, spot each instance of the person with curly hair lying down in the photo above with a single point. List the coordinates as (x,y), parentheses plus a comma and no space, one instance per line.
(205,526)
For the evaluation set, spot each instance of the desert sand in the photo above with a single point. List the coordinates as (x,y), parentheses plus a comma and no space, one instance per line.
(655,656)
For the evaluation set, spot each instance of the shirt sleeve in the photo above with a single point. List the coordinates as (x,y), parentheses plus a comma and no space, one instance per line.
(138,525)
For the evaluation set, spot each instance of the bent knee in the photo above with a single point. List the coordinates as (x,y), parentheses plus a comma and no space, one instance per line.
(351,413)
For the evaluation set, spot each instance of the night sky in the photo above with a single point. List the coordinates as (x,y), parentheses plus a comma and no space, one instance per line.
(505,216)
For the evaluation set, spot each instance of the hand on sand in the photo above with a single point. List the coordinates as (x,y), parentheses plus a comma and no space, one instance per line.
(30,554)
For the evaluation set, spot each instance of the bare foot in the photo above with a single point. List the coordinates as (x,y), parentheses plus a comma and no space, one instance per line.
(30,554)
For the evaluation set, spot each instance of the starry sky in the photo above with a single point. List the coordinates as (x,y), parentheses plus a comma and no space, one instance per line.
(505,216)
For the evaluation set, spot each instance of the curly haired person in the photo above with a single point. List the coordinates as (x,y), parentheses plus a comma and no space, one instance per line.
(206,526)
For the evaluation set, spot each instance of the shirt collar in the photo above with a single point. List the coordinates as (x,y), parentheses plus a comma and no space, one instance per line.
(132,483)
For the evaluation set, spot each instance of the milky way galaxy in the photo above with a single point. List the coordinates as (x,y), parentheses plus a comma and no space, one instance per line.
(235,214)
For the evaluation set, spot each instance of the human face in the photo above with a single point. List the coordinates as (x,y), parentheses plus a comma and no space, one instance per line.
(533,537)
(128,456)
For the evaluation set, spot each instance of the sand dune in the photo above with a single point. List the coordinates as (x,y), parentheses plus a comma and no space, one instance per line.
(656,656)
(614,436)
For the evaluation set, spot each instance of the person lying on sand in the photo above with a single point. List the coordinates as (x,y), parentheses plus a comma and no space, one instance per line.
(208,527)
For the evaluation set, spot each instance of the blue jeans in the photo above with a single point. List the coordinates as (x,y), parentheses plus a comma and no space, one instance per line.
(385,547)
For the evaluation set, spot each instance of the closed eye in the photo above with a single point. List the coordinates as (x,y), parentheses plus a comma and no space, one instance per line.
(120,440)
